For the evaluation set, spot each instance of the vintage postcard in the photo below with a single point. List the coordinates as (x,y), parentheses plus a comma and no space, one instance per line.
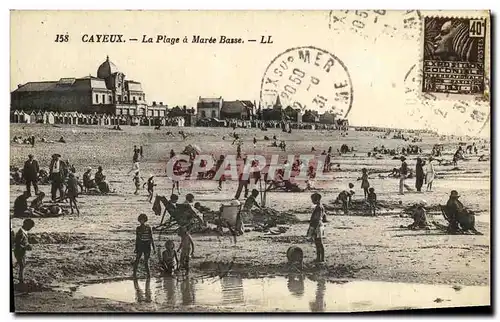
(250,161)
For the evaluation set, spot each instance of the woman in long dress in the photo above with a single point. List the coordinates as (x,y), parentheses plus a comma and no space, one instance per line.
(430,174)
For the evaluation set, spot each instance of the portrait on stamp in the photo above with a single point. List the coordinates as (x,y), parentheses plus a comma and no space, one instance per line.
(454,50)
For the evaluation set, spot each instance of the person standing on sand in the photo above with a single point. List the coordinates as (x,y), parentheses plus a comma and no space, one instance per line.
(30,174)
(403,172)
(364,182)
(143,243)
(72,192)
(137,182)
(430,173)
(316,227)
(419,173)
(22,245)
(57,168)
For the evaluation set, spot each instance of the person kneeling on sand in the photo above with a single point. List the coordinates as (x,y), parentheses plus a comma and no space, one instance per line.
(419,217)
(21,206)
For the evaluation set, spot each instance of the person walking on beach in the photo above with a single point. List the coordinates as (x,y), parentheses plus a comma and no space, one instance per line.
(135,160)
(419,173)
(143,243)
(30,174)
(403,172)
(430,173)
(151,184)
(364,182)
(137,182)
(372,201)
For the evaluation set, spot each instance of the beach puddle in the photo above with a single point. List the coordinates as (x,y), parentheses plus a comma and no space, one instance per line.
(293,293)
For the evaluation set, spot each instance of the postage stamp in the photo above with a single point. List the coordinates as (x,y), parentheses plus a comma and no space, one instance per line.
(454,55)
(308,78)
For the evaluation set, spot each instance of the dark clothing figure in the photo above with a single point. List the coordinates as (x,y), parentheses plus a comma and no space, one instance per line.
(141,152)
(57,175)
(30,174)
(372,202)
(20,205)
(72,193)
(99,176)
(143,244)
(454,207)
(419,173)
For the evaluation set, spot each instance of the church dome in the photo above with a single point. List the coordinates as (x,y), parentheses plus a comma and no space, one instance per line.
(106,69)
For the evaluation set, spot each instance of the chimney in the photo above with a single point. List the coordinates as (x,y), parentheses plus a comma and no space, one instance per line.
(161,103)
(154,103)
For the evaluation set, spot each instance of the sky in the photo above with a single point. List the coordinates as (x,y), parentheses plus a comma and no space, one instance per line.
(376,49)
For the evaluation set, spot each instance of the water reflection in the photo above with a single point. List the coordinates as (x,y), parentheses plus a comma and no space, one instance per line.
(140,295)
(169,287)
(188,291)
(232,290)
(295,292)
(295,284)
(319,304)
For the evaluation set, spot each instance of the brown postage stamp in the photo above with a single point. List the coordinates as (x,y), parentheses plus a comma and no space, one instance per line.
(454,55)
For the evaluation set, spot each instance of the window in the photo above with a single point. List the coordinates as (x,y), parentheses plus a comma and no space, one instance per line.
(203,114)
(214,114)
(97,98)
(110,99)
(103,98)
(139,98)
(125,98)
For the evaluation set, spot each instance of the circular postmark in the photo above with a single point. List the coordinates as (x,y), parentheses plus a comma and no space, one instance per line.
(372,24)
(443,113)
(307,78)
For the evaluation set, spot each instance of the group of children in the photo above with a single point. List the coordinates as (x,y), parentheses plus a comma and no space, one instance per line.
(169,261)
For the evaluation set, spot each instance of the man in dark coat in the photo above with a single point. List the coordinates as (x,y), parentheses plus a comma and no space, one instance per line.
(57,171)
(30,173)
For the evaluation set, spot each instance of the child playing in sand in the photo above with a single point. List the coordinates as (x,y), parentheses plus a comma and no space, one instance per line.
(364,182)
(251,201)
(72,192)
(143,243)
(22,245)
(316,227)
(137,182)
(169,258)
(151,184)
(186,248)
(372,201)
(345,197)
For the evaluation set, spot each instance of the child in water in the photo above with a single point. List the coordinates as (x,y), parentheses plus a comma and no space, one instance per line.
(169,258)
(186,248)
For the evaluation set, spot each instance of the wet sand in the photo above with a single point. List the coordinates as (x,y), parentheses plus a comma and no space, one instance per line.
(99,243)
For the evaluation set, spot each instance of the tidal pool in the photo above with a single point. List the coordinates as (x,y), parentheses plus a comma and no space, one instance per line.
(292,293)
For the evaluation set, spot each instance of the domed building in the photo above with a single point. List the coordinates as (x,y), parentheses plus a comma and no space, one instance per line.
(108,93)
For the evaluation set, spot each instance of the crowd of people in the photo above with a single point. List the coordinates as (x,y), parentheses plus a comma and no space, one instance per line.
(65,185)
